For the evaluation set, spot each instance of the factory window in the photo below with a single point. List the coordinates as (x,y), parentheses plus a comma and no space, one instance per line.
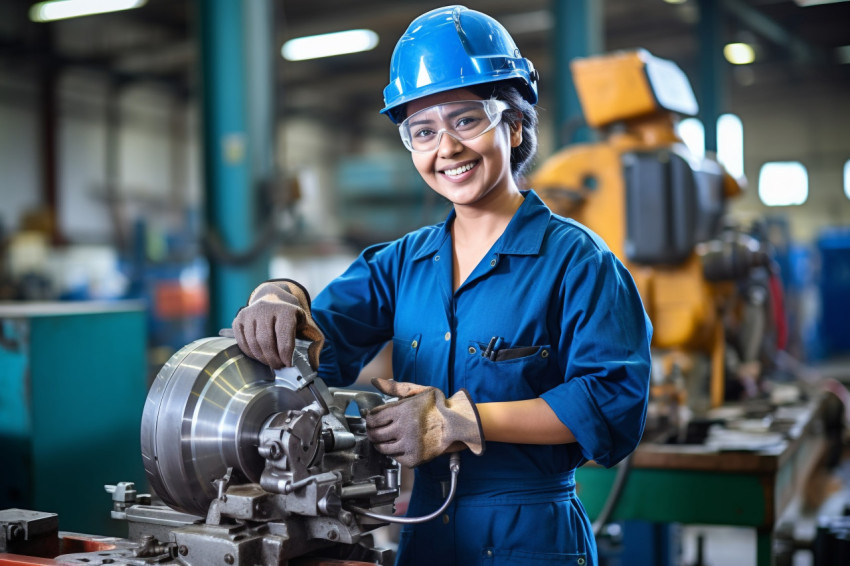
(692,133)
(730,144)
(783,183)
(847,179)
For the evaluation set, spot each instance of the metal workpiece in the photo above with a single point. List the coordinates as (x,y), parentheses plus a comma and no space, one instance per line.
(342,398)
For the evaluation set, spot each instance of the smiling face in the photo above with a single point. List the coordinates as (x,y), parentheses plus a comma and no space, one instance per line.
(472,172)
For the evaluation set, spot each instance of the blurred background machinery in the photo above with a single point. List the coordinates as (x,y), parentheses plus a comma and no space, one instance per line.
(714,293)
(663,212)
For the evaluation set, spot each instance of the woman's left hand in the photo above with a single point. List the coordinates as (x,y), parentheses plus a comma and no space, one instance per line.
(423,424)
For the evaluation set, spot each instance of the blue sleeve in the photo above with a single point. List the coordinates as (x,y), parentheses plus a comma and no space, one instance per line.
(605,348)
(355,313)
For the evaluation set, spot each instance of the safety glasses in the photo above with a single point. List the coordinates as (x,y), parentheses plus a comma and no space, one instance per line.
(464,120)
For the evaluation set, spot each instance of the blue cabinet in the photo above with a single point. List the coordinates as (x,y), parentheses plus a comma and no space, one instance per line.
(834,249)
(73,382)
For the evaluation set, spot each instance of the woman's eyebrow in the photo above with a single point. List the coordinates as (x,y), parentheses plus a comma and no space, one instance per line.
(451,114)
(461,110)
(422,121)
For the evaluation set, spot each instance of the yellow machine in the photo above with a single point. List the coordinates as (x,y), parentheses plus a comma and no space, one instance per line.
(661,211)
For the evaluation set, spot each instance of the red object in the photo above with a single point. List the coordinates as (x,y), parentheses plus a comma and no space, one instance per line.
(70,544)
(174,300)
(18,560)
(777,300)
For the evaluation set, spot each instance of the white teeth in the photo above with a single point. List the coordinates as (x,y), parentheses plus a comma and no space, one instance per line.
(459,170)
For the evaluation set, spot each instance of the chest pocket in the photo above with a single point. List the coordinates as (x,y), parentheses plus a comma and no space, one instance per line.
(509,374)
(405,351)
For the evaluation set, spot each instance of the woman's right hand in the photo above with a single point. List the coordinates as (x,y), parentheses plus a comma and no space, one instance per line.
(277,313)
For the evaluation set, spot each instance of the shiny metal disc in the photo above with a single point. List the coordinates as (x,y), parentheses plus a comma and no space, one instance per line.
(203,414)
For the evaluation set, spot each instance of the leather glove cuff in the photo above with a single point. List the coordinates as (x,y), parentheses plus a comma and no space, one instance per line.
(288,286)
(465,423)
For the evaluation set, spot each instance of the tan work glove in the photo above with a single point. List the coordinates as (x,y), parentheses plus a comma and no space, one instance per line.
(278,312)
(423,424)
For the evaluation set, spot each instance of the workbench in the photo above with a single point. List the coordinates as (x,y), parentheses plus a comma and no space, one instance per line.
(697,484)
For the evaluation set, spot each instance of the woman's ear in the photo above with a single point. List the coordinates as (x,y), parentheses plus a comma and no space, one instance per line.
(516,130)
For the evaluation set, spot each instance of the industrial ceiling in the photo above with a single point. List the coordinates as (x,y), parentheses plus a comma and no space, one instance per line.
(157,43)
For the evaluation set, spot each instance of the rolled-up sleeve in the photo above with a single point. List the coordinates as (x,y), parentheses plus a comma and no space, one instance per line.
(605,350)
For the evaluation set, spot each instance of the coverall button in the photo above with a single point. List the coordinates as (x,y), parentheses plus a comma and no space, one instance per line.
(489,553)
(492,263)
(580,561)
(446,518)
(472,349)
(414,344)
(448,336)
(544,354)
(436,258)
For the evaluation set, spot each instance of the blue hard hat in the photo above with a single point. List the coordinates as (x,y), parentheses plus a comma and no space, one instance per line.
(454,47)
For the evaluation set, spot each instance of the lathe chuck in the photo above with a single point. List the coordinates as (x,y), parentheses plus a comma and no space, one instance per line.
(203,415)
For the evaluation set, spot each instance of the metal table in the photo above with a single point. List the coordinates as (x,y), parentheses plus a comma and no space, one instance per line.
(694,484)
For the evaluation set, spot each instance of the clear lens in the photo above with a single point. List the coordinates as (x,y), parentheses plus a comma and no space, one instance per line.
(464,120)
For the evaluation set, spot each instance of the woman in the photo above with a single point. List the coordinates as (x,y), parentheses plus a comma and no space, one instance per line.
(525,320)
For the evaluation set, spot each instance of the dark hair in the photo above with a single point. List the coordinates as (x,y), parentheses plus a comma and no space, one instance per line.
(521,156)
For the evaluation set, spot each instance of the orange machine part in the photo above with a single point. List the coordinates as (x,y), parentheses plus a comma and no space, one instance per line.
(678,300)
(586,183)
(613,88)
(681,305)
(591,178)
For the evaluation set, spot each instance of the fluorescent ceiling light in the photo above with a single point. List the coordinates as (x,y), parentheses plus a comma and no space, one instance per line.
(847,179)
(730,144)
(329,44)
(805,3)
(692,133)
(783,183)
(739,53)
(64,9)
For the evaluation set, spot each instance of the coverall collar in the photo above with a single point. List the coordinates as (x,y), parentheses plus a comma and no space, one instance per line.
(523,235)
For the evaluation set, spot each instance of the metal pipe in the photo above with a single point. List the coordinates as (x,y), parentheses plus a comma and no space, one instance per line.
(454,467)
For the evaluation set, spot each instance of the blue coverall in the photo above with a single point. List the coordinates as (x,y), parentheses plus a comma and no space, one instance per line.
(569,326)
